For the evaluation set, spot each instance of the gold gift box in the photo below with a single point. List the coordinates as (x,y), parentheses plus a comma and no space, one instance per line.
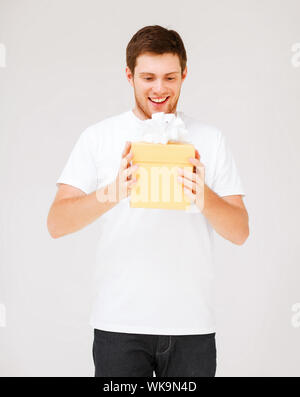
(157,185)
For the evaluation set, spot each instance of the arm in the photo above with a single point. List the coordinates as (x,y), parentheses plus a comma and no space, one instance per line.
(227,215)
(73,209)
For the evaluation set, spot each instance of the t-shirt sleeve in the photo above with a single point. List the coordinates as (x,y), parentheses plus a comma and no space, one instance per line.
(80,170)
(227,181)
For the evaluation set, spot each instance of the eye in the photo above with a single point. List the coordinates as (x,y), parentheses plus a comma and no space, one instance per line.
(150,78)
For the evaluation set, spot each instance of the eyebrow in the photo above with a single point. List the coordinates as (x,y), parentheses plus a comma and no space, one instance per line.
(153,74)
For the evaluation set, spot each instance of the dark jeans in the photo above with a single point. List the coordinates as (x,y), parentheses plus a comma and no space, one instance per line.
(138,355)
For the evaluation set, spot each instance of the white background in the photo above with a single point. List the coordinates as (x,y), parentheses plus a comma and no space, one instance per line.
(65,70)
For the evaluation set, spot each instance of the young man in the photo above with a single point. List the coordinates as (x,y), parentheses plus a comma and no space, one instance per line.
(154,308)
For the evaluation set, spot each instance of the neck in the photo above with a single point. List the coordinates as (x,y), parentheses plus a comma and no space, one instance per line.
(142,116)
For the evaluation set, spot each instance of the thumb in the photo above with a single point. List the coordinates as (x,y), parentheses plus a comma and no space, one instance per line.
(197,155)
(125,151)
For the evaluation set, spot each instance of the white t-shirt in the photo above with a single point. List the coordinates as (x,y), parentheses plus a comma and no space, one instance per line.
(154,267)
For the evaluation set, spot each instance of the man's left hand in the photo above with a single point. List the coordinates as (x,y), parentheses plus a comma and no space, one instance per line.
(194,182)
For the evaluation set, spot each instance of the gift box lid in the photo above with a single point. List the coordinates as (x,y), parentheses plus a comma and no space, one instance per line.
(172,152)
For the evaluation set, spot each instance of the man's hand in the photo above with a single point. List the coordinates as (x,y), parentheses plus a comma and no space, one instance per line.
(194,182)
(125,179)
(124,182)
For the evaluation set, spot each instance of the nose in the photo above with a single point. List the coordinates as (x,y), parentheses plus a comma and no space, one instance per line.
(159,88)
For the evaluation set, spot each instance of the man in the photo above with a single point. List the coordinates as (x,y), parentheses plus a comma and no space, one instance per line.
(154,308)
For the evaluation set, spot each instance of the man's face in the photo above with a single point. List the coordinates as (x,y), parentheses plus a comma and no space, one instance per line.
(156,77)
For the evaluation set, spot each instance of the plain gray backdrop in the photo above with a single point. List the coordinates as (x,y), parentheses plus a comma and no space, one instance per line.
(65,70)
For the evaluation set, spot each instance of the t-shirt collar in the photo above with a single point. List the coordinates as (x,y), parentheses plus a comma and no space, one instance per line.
(138,120)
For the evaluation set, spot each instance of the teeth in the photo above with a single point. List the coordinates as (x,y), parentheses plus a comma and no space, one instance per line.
(158,100)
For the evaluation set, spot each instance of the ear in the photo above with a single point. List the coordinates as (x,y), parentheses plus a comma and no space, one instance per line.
(129,75)
(184,74)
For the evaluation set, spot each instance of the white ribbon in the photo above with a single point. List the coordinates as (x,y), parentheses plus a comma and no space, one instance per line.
(164,127)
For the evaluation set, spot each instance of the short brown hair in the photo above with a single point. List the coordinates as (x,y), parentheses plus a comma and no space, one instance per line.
(155,39)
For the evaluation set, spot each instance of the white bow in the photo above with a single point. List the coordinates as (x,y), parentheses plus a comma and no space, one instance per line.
(164,127)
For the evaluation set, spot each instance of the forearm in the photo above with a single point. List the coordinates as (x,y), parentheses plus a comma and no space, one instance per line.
(230,221)
(72,214)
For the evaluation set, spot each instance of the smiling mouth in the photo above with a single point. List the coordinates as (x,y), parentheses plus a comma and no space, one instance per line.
(159,103)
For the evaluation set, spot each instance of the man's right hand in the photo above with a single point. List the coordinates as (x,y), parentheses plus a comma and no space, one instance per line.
(126,176)
(125,180)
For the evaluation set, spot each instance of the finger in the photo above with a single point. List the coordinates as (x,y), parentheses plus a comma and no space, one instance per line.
(197,157)
(189,194)
(196,162)
(128,172)
(200,171)
(126,149)
(128,185)
(199,167)
(192,160)
(187,183)
(126,161)
(192,176)
(132,182)
(187,174)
